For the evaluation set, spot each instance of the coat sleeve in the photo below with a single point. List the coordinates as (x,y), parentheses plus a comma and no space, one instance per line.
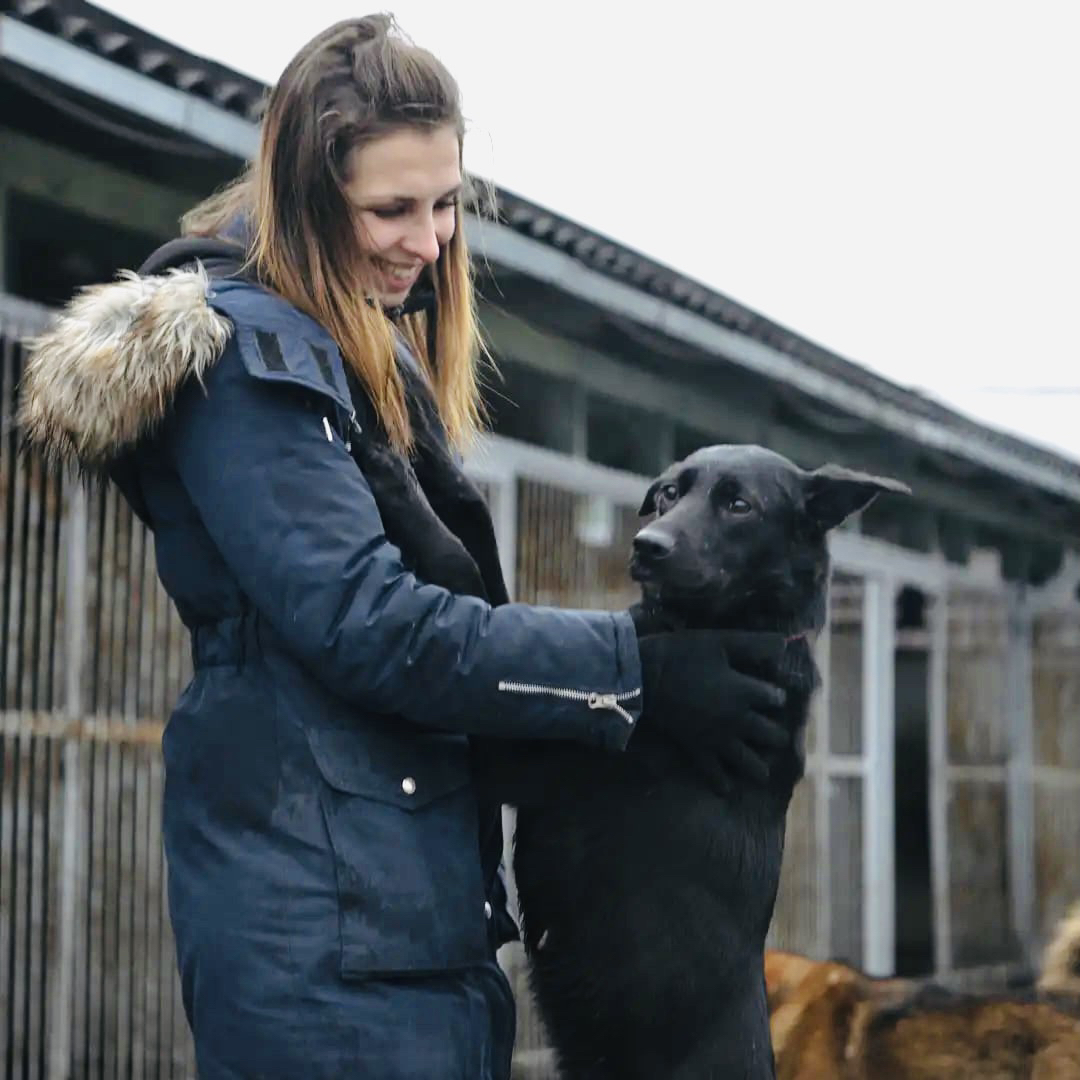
(297,524)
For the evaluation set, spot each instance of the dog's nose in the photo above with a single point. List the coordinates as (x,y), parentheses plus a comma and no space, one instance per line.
(652,544)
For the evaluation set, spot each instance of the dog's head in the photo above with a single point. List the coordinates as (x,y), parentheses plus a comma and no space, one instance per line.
(1061,959)
(784,973)
(813,1011)
(741,527)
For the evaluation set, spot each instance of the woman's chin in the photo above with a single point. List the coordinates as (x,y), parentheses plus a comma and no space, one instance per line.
(395,298)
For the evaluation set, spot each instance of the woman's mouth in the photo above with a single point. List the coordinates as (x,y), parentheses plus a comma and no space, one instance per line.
(396,277)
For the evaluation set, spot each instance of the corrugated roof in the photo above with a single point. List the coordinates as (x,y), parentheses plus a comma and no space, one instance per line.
(616,261)
(88,27)
(113,39)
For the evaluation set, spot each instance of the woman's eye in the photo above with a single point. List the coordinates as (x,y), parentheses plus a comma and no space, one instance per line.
(389,213)
(739,506)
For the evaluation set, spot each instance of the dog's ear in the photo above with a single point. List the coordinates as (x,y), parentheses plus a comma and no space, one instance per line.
(648,504)
(834,493)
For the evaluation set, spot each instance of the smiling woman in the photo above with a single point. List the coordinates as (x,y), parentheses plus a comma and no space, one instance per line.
(405,188)
(357,188)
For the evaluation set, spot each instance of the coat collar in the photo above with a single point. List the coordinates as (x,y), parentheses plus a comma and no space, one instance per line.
(107,370)
(105,373)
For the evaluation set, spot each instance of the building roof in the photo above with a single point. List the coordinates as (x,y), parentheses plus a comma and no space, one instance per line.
(114,39)
(616,261)
(87,27)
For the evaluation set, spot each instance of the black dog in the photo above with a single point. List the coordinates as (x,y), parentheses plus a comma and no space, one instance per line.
(645,895)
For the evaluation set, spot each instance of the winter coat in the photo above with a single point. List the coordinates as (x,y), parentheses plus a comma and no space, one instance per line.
(332,910)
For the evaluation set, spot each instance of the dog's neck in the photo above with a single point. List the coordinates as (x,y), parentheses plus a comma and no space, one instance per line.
(802,624)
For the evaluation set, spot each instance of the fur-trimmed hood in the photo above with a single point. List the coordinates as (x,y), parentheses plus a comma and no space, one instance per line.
(109,367)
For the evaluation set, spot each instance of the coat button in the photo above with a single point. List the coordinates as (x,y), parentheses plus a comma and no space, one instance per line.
(408,785)
(487,909)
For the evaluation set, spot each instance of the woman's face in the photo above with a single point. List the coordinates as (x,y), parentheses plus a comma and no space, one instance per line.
(405,188)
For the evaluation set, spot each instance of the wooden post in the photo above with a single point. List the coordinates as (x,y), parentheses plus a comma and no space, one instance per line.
(62,970)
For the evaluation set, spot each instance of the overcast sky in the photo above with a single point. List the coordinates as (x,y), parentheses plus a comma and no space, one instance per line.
(899,181)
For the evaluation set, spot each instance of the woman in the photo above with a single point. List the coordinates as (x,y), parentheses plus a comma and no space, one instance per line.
(336,907)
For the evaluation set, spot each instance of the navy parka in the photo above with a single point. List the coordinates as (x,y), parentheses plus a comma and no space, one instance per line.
(332,910)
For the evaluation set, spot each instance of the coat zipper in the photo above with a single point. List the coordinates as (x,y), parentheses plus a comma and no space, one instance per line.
(590,697)
(351,428)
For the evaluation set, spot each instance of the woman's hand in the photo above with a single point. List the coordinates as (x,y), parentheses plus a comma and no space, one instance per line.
(695,693)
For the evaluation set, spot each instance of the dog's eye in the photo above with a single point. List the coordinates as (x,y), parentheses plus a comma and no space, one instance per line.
(669,492)
(739,506)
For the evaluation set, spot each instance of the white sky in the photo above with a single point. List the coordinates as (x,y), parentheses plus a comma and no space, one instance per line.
(899,181)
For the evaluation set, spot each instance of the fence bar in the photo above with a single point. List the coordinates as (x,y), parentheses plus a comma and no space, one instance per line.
(1020,789)
(939,783)
(59,1024)
(879,884)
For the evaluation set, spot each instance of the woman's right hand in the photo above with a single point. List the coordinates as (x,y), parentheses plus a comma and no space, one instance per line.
(695,694)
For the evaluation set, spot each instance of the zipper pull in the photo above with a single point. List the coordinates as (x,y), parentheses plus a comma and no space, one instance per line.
(608,701)
(354,427)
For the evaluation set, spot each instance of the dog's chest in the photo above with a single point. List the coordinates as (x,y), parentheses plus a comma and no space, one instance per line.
(736,845)
(678,834)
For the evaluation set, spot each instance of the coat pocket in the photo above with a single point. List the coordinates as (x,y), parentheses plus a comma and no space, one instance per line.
(402,820)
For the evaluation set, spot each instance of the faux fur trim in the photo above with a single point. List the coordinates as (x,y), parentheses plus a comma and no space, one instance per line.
(1061,960)
(108,368)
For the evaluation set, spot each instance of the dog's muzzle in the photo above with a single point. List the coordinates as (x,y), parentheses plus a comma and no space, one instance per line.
(652,544)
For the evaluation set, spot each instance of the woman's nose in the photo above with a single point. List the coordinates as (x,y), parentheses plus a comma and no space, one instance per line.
(423,241)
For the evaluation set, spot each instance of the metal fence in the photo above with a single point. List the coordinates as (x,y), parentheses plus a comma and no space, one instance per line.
(92,656)
(1055,763)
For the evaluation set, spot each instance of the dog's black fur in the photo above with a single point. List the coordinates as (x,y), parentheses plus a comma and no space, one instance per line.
(645,895)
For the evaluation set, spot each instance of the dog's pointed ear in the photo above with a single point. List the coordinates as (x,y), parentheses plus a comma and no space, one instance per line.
(648,504)
(834,493)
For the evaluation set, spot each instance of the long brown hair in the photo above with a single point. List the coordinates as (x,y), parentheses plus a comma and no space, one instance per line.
(353,83)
